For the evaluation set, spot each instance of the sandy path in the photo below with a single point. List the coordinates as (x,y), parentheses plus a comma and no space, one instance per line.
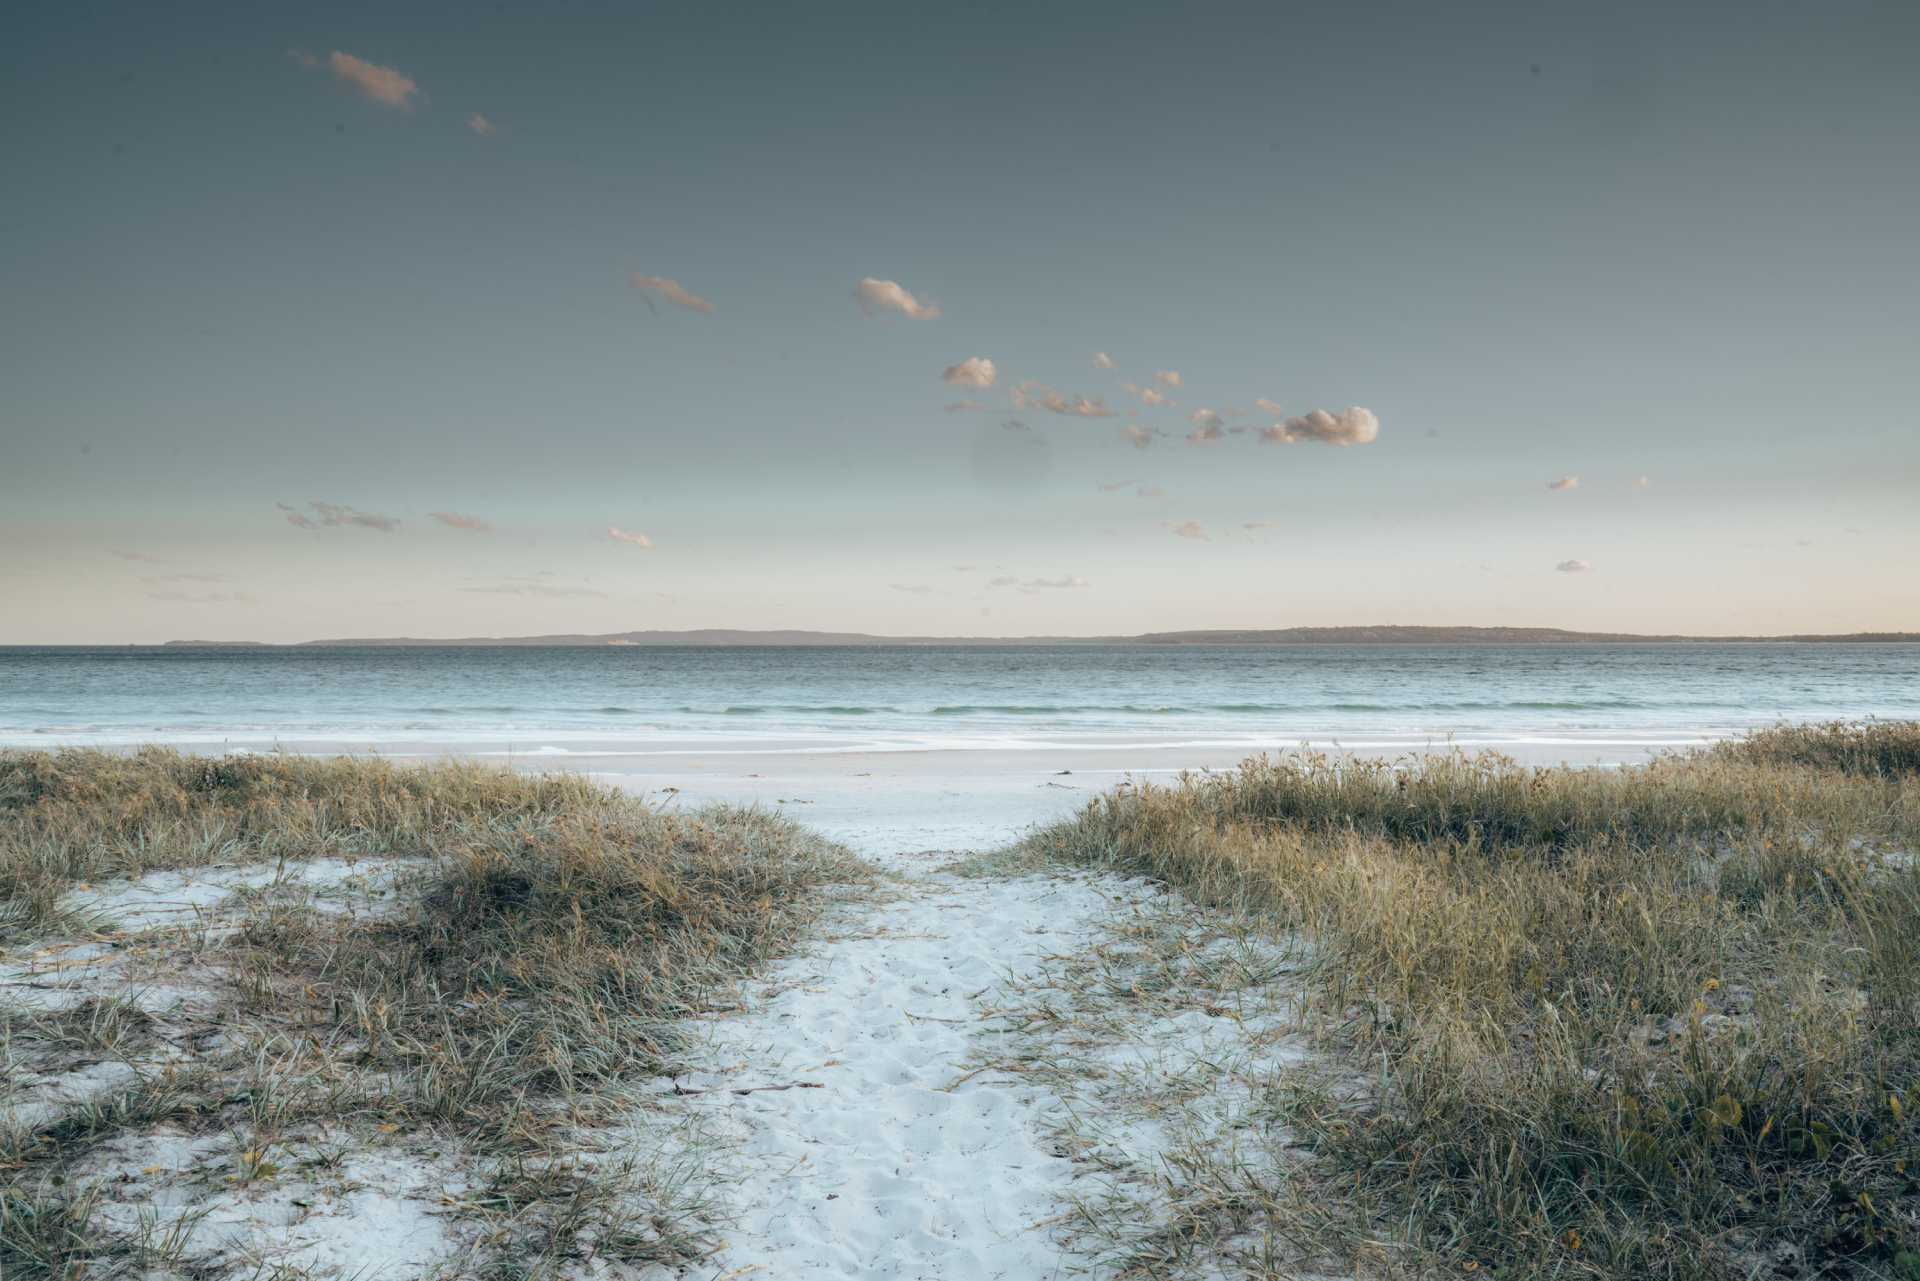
(896,1166)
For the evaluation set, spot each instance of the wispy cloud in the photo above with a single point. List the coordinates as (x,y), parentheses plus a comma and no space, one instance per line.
(1064,583)
(1641,482)
(1574,567)
(384,85)
(337,515)
(1149,491)
(1114,485)
(888,295)
(966,407)
(1564,482)
(669,291)
(1038,396)
(1014,424)
(459,520)
(1101,360)
(142,557)
(1261,524)
(189,578)
(620,535)
(1189,529)
(203,598)
(1147,395)
(912,589)
(540,585)
(1137,436)
(1272,407)
(480,125)
(1351,426)
(974,371)
(1168,377)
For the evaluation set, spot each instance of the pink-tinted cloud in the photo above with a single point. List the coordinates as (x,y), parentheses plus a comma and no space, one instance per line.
(1189,529)
(480,125)
(384,85)
(337,515)
(1137,436)
(1208,427)
(1351,426)
(888,295)
(1101,360)
(459,520)
(1561,483)
(1147,395)
(1168,377)
(974,371)
(670,291)
(1032,395)
(620,535)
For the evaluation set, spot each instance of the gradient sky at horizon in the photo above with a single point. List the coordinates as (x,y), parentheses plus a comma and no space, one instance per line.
(246,265)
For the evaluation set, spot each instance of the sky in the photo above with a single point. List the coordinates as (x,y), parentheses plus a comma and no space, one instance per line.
(452,320)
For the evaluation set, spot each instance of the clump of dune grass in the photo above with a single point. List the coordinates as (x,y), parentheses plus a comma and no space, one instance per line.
(1659,1022)
(512,999)
(1882,748)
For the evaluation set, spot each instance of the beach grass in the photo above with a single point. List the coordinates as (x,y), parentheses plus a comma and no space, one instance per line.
(522,976)
(1653,1022)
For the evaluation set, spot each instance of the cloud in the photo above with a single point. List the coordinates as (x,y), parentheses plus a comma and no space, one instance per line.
(1351,426)
(911,589)
(1574,567)
(1032,395)
(1168,377)
(1208,427)
(383,85)
(671,291)
(1261,524)
(1641,482)
(141,557)
(1014,424)
(1149,491)
(1101,360)
(1137,436)
(189,578)
(1147,395)
(337,515)
(974,371)
(459,521)
(620,535)
(480,125)
(537,586)
(1564,482)
(1064,583)
(1272,407)
(1113,485)
(1189,529)
(966,407)
(887,295)
(203,598)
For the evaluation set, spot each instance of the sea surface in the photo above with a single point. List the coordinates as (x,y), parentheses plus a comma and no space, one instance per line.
(643,700)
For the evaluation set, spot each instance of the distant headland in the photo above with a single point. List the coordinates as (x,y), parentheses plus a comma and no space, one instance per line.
(1376,635)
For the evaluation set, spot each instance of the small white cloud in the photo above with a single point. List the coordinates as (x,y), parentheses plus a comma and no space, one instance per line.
(887,295)
(1271,407)
(670,291)
(480,125)
(1574,567)
(1032,395)
(1563,482)
(1641,482)
(1101,360)
(1351,426)
(1137,436)
(1168,377)
(974,371)
(1147,395)
(459,520)
(384,85)
(1189,529)
(620,535)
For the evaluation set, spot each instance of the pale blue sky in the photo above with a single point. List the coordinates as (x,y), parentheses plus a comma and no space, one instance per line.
(1534,240)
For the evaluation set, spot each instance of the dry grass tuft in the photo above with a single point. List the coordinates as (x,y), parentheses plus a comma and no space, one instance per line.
(502,1009)
(1657,1022)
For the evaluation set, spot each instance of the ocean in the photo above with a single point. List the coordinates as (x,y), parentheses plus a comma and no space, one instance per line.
(638,701)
